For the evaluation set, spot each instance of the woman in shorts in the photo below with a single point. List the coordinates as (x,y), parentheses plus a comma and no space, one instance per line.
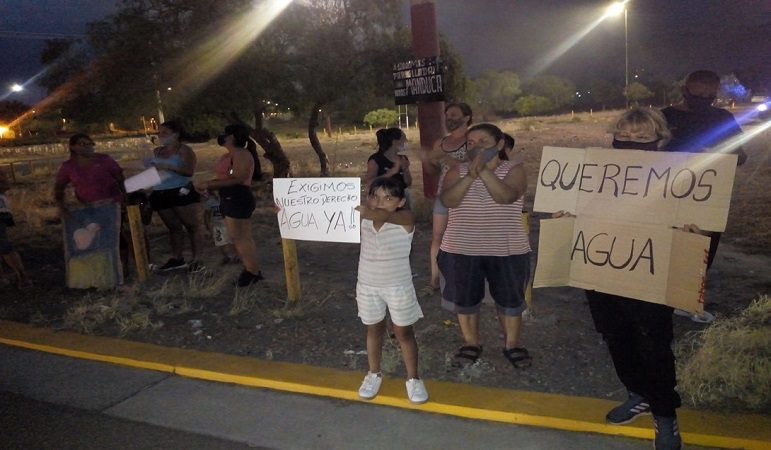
(175,200)
(234,178)
(485,240)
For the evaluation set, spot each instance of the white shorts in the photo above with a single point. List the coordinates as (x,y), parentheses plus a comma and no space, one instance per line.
(401,302)
(220,235)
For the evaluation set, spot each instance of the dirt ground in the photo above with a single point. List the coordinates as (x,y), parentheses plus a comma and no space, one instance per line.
(569,357)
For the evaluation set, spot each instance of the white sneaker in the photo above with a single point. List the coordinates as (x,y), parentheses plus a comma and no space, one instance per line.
(370,386)
(416,391)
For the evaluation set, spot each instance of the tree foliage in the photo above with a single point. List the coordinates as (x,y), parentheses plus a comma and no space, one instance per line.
(381,118)
(636,92)
(496,91)
(531,105)
(559,91)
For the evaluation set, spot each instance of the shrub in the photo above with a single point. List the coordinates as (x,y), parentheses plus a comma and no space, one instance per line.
(381,117)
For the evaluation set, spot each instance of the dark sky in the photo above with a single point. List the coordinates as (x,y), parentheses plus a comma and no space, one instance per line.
(667,38)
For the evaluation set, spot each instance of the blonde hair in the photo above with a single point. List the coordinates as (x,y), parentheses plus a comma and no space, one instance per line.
(644,118)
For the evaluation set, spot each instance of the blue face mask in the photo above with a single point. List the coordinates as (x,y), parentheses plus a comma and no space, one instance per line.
(487,153)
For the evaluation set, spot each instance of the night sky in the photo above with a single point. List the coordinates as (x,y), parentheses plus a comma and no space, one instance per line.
(667,38)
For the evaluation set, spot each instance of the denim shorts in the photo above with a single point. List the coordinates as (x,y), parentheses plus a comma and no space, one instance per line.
(465,276)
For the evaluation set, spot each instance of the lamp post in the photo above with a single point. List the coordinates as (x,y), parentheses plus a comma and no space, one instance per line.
(614,10)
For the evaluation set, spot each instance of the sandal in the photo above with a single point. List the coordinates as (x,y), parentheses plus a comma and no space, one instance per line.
(518,357)
(427,291)
(467,355)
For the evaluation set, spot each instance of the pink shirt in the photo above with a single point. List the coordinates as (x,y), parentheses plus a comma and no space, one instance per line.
(224,167)
(95,181)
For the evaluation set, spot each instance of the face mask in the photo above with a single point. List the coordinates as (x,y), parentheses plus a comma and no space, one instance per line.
(452,124)
(697,103)
(629,145)
(487,153)
(168,140)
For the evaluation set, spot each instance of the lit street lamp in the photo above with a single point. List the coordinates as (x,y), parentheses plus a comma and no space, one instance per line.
(614,10)
(17,88)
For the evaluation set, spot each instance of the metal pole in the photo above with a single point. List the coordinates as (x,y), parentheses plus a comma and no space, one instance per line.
(626,57)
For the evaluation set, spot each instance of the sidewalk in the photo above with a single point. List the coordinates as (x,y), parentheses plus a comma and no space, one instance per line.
(498,405)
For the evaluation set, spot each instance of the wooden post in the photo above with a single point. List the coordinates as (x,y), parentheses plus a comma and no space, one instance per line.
(430,120)
(138,241)
(291,269)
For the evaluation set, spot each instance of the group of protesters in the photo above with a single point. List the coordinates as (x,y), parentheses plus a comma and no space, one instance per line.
(479,243)
(479,239)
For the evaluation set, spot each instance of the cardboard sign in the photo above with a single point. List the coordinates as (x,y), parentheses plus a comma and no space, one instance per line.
(646,262)
(91,253)
(627,203)
(665,188)
(318,209)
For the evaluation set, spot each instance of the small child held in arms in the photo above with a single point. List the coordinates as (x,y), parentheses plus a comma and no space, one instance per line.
(385,283)
(215,224)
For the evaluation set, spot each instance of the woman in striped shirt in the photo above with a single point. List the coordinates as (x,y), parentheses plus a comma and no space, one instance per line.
(485,240)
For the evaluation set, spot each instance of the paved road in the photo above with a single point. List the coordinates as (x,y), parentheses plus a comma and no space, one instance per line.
(56,402)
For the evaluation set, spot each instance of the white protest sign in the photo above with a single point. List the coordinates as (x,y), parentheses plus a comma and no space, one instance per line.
(318,209)
(665,188)
(647,262)
(143,180)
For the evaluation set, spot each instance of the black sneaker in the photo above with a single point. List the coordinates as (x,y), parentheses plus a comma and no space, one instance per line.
(173,264)
(667,433)
(628,411)
(247,278)
(195,267)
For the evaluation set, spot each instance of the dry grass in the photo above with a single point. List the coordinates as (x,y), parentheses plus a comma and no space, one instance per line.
(728,365)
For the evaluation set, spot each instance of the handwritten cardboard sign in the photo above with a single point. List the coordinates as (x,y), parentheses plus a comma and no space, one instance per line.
(666,188)
(647,262)
(318,209)
(627,203)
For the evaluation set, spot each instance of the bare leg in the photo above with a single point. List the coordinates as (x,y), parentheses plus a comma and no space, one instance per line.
(240,233)
(469,326)
(375,345)
(409,346)
(192,217)
(172,222)
(511,329)
(13,260)
(439,224)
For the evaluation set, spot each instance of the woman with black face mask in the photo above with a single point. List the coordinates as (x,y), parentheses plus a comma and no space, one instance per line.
(237,203)
(639,333)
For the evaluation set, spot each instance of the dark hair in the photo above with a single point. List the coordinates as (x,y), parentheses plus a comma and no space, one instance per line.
(240,134)
(464,108)
(488,128)
(175,127)
(386,138)
(391,185)
(703,76)
(241,138)
(508,142)
(76,137)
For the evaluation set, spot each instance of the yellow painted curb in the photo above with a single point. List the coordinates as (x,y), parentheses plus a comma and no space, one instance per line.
(562,412)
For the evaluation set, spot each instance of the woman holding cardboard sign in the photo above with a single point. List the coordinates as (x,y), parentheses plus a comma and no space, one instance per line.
(639,333)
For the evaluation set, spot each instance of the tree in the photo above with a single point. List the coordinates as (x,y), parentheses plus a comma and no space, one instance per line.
(558,91)
(531,105)
(637,91)
(381,117)
(332,55)
(496,91)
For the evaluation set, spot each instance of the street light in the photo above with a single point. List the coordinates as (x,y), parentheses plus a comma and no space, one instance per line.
(614,10)
(17,88)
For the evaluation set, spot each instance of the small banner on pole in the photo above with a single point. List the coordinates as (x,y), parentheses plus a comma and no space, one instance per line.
(419,80)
